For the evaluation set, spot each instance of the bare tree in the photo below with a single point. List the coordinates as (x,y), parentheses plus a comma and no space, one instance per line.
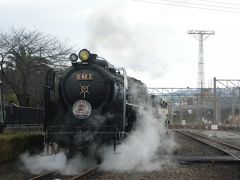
(25,57)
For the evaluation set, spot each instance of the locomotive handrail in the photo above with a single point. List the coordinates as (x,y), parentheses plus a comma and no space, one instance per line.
(135,105)
(125,87)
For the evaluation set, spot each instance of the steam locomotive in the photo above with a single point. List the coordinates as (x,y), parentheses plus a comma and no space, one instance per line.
(91,103)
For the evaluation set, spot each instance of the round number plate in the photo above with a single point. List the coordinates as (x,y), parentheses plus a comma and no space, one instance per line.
(82,109)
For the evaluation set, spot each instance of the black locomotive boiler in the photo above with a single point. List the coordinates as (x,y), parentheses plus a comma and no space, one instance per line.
(91,103)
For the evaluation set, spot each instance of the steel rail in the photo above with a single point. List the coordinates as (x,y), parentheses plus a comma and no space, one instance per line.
(232,150)
(41,176)
(84,174)
(77,177)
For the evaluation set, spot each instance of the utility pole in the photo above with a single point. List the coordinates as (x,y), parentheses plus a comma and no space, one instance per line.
(200,36)
(215,101)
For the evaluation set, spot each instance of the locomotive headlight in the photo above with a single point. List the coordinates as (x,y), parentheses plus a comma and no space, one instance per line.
(73,58)
(84,55)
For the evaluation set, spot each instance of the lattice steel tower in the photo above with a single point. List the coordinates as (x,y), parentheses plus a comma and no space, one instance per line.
(201,36)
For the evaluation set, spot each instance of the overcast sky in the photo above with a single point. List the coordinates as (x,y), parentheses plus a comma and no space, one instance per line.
(149,39)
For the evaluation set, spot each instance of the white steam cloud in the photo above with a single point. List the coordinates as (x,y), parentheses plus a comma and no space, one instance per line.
(140,151)
(125,45)
(37,164)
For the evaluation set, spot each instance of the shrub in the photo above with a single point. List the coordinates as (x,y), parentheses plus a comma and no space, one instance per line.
(13,144)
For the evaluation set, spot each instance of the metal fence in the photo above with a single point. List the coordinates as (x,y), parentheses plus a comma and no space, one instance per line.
(23,116)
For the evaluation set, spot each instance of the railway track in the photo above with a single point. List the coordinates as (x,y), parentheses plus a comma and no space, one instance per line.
(53,175)
(229,149)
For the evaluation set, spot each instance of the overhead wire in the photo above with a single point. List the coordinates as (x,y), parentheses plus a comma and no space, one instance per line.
(192,5)
(198,4)
(221,2)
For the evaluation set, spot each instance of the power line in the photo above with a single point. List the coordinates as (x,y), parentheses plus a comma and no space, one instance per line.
(186,6)
(220,2)
(198,4)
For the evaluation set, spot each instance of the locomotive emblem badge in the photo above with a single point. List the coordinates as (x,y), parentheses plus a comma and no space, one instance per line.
(84,90)
(81,109)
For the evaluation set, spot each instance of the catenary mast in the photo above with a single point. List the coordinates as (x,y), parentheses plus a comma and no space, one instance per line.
(201,36)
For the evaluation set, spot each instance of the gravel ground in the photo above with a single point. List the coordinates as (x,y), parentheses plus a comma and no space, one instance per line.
(231,139)
(235,142)
(12,171)
(190,147)
(179,172)
(185,146)
(196,172)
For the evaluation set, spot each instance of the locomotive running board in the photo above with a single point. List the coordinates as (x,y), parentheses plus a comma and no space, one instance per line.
(200,159)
